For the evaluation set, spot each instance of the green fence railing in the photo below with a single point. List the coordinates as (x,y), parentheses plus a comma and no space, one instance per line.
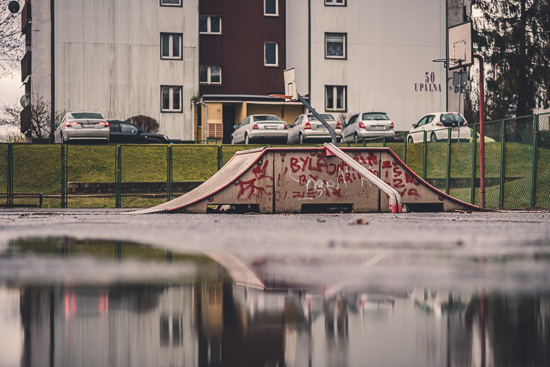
(517,166)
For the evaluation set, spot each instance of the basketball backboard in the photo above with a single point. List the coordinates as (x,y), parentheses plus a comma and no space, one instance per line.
(460,45)
(290,83)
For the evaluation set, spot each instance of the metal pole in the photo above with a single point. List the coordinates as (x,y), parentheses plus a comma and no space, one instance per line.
(502,163)
(220,157)
(474,168)
(63,176)
(169,177)
(9,199)
(535,161)
(459,100)
(448,174)
(481,131)
(424,154)
(329,128)
(118,176)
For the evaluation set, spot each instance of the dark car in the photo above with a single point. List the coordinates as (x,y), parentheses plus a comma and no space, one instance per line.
(122,132)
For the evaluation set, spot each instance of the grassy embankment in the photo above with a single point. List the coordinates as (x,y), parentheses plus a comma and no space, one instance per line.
(37,168)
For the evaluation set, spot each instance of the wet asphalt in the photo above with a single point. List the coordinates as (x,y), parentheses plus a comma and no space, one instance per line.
(444,249)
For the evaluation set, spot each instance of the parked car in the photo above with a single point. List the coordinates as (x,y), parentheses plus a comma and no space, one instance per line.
(307,127)
(256,128)
(82,126)
(437,124)
(122,132)
(368,125)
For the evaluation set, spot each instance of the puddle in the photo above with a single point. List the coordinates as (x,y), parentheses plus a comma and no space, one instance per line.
(68,302)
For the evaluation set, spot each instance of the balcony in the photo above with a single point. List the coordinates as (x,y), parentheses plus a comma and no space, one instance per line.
(26,66)
(26,16)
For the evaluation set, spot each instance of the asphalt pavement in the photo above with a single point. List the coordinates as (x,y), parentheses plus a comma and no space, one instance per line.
(329,250)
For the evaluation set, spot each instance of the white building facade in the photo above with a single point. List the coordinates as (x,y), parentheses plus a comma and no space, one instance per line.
(358,56)
(120,58)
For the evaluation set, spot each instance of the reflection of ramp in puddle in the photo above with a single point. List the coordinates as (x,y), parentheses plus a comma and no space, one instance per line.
(314,179)
(238,271)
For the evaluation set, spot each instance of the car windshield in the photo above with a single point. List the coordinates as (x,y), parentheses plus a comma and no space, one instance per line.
(266,118)
(375,116)
(326,117)
(87,115)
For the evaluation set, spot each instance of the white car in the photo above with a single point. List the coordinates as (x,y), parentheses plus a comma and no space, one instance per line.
(368,125)
(256,128)
(307,127)
(82,126)
(437,125)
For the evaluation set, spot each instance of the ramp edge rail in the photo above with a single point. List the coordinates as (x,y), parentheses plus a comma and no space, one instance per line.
(396,205)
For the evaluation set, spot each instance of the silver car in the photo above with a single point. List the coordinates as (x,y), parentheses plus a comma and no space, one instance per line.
(437,125)
(82,126)
(368,125)
(308,128)
(255,128)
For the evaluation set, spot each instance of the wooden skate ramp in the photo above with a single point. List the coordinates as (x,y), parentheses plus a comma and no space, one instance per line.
(293,180)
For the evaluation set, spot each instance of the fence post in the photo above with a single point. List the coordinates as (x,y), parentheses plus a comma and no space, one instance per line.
(118,176)
(64,149)
(448,173)
(9,184)
(405,137)
(502,163)
(220,157)
(474,165)
(424,155)
(169,177)
(535,161)
(384,141)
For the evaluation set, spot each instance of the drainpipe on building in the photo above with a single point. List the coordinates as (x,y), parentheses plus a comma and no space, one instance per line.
(205,120)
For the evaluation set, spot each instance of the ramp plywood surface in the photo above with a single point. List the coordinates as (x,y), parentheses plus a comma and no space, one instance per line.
(231,171)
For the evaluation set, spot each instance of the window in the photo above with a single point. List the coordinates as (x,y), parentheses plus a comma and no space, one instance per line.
(170,46)
(271,54)
(210,74)
(335,45)
(210,24)
(335,2)
(271,7)
(127,128)
(170,98)
(335,98)
(170,3)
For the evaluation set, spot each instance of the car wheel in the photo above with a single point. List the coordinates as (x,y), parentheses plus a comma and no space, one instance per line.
(233,140)
(410,139)
(246,139)
(302,140)
(433,138)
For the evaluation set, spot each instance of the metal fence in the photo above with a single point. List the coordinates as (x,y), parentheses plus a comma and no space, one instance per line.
(517,167)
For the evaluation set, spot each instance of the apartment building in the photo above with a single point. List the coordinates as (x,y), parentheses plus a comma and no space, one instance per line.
(118,57)
(357,56)
(242,56)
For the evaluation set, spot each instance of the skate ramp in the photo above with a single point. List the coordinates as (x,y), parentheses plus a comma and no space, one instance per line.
(314,179)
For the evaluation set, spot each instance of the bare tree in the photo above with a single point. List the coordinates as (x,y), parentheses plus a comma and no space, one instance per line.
(11,41)
(35,122)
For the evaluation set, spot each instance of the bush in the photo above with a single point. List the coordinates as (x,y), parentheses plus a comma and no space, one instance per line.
(145,123)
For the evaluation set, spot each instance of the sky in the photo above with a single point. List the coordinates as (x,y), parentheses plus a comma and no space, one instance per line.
(11,89)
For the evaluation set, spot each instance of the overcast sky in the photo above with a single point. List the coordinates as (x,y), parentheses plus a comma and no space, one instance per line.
(11,89)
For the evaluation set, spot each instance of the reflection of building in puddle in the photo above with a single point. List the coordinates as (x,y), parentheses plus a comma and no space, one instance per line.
(108,325)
